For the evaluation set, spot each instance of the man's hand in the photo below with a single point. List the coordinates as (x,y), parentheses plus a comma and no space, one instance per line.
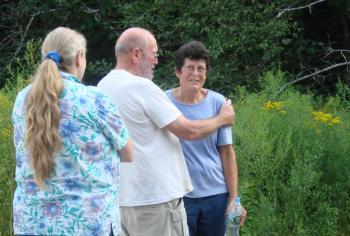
(231,205)
(227,113)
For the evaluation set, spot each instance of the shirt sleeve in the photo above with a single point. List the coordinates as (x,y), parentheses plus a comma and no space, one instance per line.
(160,109)
(224,133)
(225,136)
(111,122)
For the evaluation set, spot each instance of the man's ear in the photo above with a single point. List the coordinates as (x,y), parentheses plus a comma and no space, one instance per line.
(136,55)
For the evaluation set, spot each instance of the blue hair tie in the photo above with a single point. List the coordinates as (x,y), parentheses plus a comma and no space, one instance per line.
(53,55)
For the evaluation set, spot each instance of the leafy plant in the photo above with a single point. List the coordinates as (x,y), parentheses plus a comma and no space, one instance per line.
(293,166)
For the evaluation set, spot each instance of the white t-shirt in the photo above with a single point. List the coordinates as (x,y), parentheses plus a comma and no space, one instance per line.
(158,172)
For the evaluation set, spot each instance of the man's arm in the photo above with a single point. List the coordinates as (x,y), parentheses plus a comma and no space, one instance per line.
(126,153)
(195,129)
(229,165)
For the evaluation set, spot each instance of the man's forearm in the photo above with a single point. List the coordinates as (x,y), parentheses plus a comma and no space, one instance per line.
(195,129)
(202,128)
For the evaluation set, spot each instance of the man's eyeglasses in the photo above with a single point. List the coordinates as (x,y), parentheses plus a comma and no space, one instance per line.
(155,54)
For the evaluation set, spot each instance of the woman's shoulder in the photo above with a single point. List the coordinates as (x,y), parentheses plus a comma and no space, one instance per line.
(169,92)
(77,93)
(24,91)
(80,89)
(216,96)
(22,94)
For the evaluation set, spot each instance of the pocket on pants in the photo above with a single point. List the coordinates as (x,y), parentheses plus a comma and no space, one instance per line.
(179,222)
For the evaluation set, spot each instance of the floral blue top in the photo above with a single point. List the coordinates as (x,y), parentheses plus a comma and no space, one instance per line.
(81,195)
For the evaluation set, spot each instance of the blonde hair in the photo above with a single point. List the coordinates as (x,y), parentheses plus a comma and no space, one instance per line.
(42,138)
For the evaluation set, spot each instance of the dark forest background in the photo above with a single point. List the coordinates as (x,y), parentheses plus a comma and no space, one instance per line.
(245,37)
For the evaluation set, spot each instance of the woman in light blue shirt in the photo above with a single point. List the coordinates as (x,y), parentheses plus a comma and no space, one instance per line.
(69,141)
(211,161)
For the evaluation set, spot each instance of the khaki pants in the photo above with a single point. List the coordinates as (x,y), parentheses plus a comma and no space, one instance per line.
(164,219)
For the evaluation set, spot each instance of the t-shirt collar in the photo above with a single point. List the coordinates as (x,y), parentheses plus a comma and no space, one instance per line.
(70,77)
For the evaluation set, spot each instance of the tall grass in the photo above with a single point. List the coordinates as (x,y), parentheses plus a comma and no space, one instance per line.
(293,162)
(293,158)
(20,73)
(7,165)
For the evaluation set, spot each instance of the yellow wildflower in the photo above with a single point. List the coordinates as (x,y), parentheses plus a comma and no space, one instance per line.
(274,106)
(336,120)
(278,105)
(326,118)
(268,106)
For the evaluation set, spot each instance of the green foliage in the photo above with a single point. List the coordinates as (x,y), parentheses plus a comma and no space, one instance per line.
(293,168)
(245,38)
(20,75)
(97,69)
(343,95)
(7,163)
(21,70)
(240,49)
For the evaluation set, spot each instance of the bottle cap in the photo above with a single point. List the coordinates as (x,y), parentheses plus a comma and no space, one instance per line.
(238,201)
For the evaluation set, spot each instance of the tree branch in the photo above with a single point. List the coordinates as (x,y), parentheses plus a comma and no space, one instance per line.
(311,75)
(298,8)
(23,36)
(329,50)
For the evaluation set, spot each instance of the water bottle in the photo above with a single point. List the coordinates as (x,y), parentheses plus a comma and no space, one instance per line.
(233,218)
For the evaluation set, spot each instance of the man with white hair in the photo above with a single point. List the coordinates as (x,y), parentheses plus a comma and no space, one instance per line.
(152,186)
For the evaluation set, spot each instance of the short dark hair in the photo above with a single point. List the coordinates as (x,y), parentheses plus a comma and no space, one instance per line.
(194,50)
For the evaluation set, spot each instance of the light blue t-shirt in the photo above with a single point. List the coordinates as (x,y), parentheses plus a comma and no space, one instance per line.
(202,155)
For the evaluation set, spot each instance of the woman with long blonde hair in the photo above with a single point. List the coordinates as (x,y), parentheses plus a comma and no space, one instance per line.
(69,141)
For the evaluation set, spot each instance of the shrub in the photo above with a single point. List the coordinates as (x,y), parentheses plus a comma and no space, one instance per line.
(20,76)
(293,170)
(7,164)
